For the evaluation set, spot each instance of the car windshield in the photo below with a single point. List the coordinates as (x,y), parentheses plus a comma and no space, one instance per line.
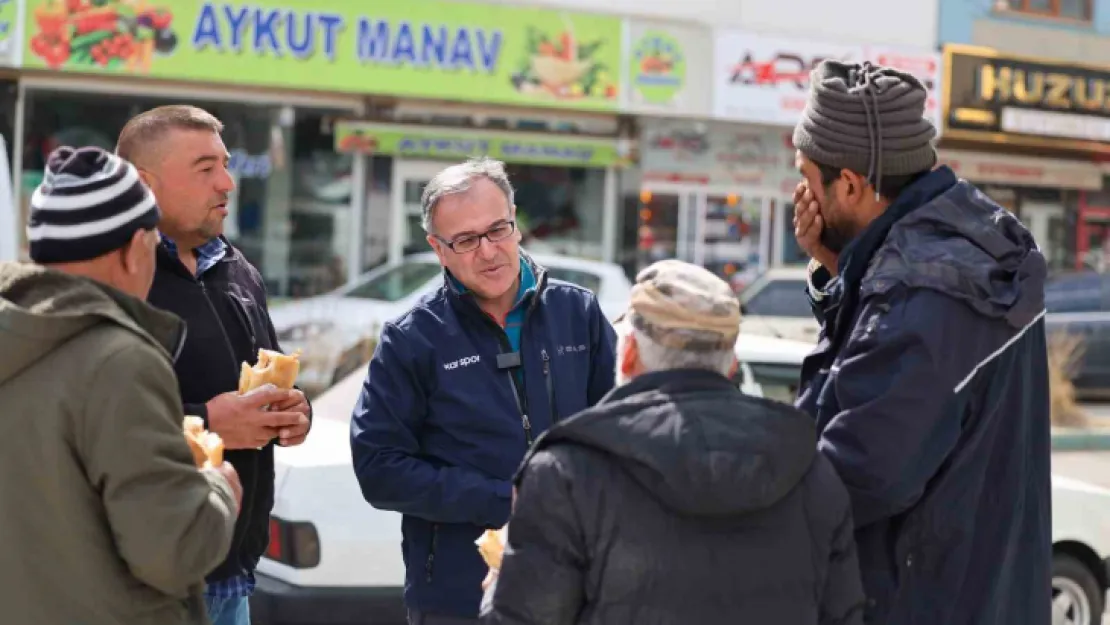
(395,283)
(779,382)
(780,298)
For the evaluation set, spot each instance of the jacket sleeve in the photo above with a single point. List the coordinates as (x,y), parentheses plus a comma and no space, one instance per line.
(896,393)
(842,599)
(172,523)
(604,349)
(385,446)
(542,574)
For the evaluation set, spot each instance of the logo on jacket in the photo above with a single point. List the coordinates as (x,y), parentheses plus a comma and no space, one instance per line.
(462,362)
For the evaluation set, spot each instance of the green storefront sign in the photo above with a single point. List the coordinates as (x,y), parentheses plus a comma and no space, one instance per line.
(447,144)
(418,48)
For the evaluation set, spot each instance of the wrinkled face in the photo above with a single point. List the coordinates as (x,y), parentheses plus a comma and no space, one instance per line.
(490,270)
(134,272)
(839,202)
(189,177)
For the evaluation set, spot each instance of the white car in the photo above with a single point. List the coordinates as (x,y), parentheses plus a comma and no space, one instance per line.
(775,304)
(334,560)
(337,331)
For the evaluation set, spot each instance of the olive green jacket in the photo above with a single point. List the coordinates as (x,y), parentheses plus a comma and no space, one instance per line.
(104,518)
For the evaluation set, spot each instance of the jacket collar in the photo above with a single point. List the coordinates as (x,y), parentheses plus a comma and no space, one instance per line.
(670,381)
(857,255)
(459,296)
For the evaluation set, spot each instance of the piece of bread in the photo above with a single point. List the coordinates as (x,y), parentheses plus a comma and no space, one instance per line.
(272,368)
(491,544)
(207,447)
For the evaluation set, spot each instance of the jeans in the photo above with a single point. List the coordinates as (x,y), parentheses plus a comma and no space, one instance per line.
(423,618)
(233,611)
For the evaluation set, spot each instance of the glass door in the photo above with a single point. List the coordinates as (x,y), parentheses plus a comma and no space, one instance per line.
(409,179)
(667,227)
(733,243)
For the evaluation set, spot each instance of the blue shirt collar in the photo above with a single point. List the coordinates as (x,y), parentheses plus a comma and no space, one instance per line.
(208,254)
(527,281)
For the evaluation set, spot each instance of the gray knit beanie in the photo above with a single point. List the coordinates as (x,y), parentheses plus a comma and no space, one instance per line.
(867,119)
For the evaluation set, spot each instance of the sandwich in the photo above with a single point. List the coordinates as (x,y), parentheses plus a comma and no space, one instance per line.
(491,544)
(272,368)
(207,447)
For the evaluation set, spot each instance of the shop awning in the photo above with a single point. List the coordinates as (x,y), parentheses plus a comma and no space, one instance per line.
(1023,171)
(440,143)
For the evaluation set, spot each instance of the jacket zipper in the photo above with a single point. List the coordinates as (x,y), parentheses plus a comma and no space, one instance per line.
(547,379)
(430,563)
(223,331)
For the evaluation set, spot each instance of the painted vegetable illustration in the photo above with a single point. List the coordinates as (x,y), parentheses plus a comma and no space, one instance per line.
(656,58)
(105,33)
(356,141)
(563,67)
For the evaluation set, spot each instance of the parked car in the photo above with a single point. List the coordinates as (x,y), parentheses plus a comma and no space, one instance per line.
(1078,304)
(338,331)
(775,304)
(334,560)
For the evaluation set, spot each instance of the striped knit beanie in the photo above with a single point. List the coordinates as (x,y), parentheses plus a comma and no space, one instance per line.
(90,203)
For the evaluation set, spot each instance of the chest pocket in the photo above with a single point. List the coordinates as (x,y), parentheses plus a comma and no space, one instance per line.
(250,317)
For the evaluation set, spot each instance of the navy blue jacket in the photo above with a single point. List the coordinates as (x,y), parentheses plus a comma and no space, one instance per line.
(930,390)
(437,434)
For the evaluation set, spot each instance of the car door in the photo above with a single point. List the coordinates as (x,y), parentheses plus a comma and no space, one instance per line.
(779,308)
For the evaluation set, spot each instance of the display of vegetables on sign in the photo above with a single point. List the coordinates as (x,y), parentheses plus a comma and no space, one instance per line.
(104,33)
(563,67)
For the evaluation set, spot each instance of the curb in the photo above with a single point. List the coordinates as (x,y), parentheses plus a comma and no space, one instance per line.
(1080,439)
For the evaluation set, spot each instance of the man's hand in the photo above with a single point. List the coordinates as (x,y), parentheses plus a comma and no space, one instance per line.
(808,225)
(293,435)
(232,476)
(242,421)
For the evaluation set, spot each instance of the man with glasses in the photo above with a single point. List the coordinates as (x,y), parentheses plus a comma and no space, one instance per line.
(463,384)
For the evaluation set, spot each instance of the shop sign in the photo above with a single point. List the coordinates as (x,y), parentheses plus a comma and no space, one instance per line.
(9,32)
(669,68)
(765,79)
(431,48)
(1020,171)
(1005,99)
(718,154)
(450,144)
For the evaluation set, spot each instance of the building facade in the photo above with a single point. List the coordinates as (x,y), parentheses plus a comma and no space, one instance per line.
(1027,116)
(632,130)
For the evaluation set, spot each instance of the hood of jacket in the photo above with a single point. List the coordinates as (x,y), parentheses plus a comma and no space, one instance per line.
(40,309)
(963,244)
(696,443)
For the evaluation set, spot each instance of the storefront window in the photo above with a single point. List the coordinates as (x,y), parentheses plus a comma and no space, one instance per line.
(290,212)
(559,209)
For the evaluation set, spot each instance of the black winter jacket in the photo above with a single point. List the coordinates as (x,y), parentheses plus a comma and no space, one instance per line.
(929,387)
(227,322)
(679,500)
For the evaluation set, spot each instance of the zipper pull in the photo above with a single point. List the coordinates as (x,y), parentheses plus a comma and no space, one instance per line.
(546,362)
(527,428)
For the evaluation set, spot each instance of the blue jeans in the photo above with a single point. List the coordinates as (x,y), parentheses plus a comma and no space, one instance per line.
(233,611)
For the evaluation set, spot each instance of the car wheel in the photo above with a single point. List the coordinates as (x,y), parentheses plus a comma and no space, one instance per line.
(1076,599)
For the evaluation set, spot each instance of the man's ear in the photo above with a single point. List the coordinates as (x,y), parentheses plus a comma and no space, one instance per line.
(132,254)
(630,357)
(853,189)
(437,246)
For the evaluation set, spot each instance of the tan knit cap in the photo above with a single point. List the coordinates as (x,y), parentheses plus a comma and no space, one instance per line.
(684,306)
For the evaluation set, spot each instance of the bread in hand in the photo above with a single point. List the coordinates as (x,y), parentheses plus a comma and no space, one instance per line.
(207,447)
(491,544)
(272,368)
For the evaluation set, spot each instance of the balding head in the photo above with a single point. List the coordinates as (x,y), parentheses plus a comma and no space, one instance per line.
(141,138)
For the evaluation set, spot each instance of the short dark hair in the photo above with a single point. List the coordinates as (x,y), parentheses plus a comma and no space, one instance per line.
(890,187)
(151,126)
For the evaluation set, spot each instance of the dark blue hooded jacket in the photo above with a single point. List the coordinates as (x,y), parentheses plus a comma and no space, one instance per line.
(438,432)
(930,390)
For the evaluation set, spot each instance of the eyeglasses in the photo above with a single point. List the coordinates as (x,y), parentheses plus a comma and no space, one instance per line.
(470,242)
